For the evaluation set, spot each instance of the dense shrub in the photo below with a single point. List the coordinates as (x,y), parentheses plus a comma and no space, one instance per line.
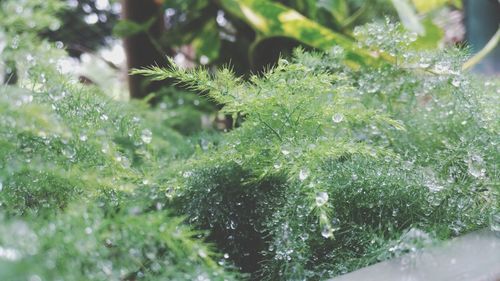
(79,174)
(333,169)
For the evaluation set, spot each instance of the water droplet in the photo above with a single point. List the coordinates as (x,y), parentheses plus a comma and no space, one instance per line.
(456,82)
(335,224)
(104,117)
(321,198)
(285,150)
(1,185)
(202,253)
(187,174)
(475,165)
(69,152)
(277,165)
(88,230)
(326,232)
(431,182)
(412,36)
(83,137)
(226,255)
(146,136)
(337,50)
(303,174)
(233,224)
(337,118)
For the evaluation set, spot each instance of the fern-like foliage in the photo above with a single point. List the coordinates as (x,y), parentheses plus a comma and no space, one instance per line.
(79,174)
(332,169)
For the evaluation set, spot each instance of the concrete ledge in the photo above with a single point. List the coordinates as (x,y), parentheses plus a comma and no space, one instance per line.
(473,257)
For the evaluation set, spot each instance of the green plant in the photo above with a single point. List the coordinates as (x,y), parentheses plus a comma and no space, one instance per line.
(334,169)
(79,175)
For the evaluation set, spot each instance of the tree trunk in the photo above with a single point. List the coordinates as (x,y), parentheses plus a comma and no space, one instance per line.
(139,48)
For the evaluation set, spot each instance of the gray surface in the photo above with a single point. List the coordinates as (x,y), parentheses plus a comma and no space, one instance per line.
(473,257)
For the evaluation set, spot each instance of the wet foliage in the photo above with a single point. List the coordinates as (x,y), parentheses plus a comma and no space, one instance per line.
(79,175)
(333,169)
(327,168)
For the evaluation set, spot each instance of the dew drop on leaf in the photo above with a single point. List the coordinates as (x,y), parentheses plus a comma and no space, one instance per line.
(335,224)
(83,137)
(326,232)
(146,136)
(475,165)
(337,118)
(303,174)
(321,198)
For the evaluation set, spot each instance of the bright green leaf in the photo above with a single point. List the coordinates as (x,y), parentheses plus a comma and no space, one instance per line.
(275,20)
(432,37)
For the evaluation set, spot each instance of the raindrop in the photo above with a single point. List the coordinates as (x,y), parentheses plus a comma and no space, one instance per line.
(202,253)
(303,174)
(83,137)
(475,165)
(337,50)
(146,136)
(69,152)
(327,232)
(104,117)
(431,182)
(337,118)
(285,150)
(233,225)
(321,198)
(335,224)
(88,230)
(412,36)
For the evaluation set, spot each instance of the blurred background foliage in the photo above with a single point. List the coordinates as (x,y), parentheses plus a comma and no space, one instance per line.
(248,34)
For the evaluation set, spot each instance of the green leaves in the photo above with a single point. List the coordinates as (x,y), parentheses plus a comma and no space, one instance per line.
(329,160)
(270,19)
(126,28)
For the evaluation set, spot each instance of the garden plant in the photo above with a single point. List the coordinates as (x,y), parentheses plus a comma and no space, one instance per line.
(335,160)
